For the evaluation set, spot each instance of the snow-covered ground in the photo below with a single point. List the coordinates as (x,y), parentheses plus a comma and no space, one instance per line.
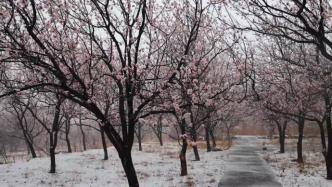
(155,166)
(290,174)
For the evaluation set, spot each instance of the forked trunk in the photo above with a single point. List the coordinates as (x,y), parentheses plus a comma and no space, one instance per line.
(125,156)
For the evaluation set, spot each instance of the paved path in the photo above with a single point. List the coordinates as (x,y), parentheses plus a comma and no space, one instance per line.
(246,168)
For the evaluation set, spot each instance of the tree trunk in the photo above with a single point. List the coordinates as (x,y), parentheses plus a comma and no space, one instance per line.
(54,135)
(196,152)
(182,156)
(328,160)
(282,142)
(194,135)
(183,159)
(160,130)
(322,137)
(229,139)
(31,149)
(124,154)
(207,139)
(160,138)
(68,143)
(139,137)
(282,135)
(102,133)
(328,157)
(67,126)
(300,139)
(52,154)
(128,166)
(214,145)
(83,135)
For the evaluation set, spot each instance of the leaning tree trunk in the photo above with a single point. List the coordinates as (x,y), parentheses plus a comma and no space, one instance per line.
(300,139)
(30,146)
(32,150)
(103,140)
(125,155)
(128,166)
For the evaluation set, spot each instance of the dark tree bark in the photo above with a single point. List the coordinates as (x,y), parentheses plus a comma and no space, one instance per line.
(160,138)
(31,149)
(196,152)
(128,166)
(282,134)
(207,139)
(228,136)
(183,160)
(103,140)
(322,136)
(54,134)
(194,138)
(83,134)
(213,138)
(328,157)
(139,136)
(160,130)
(52,155)
(124,151)
(68,144)
(20,110)
(282,142)
(301,122)
(67,127)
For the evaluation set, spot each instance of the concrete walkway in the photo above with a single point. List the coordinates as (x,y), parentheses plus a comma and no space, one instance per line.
(246,168)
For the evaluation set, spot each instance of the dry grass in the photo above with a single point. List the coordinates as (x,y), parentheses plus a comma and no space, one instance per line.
(222,144)
(189,182)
